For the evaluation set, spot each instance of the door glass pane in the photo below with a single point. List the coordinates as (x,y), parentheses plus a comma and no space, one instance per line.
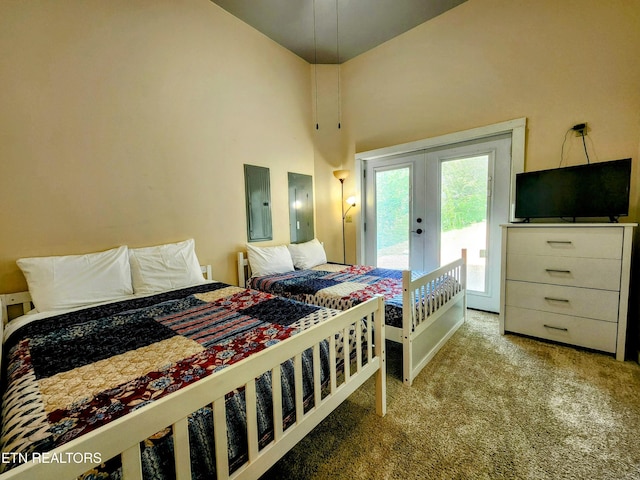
(464,200)
(393,190)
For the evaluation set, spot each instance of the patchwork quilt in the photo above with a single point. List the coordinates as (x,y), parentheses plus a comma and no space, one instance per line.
(69,374)
(343,286)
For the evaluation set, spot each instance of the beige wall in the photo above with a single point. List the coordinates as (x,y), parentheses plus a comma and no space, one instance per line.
(557,63)
(129,123)
(330,153)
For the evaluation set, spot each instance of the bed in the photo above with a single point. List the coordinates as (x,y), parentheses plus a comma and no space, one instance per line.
(202,381)
(422,310)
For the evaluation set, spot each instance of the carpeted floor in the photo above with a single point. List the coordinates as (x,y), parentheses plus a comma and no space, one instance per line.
(486,407)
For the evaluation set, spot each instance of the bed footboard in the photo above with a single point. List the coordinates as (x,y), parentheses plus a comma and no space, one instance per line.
(123,436)
(433,308)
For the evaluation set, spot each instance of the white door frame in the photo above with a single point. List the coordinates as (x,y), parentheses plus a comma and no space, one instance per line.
(516,127)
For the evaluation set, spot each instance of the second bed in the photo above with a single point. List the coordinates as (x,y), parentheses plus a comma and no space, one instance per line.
(422,310)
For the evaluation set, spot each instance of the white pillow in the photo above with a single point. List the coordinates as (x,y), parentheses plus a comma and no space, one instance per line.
(269,260)
(308,254)
(71,281)
(165,267)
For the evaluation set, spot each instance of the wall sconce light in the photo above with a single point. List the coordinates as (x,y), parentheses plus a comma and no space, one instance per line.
(342,175)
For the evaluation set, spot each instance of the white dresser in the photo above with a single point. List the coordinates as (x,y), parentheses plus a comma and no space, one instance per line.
(567,282)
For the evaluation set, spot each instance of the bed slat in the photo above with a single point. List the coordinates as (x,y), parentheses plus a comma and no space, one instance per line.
(332,363)
(369,320)
(345,354)
(317,381)
(297,375)
(380,350)
(131,463)
(359,346)
(220,438)
(181,449)
(276,386)
(252,418)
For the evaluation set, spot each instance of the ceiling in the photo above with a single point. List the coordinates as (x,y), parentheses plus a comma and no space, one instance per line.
(361,24)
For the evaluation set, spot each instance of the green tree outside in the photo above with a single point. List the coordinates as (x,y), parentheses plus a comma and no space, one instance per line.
(463,200)
(464,192)
(392,203)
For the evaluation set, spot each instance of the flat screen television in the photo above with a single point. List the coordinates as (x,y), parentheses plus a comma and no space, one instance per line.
(594,190)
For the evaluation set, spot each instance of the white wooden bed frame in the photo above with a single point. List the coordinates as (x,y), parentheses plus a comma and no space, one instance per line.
(424,330)
(123,436)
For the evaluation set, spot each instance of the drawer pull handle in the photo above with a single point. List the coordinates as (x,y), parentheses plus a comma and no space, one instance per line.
(556,328)
(562,242)
(551,299)
(553,270)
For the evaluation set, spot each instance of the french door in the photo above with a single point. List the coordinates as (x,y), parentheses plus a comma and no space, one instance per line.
(422,208)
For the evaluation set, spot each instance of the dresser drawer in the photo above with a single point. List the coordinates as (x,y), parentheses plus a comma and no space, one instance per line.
(599,273)
(567,241)
(579,302)
(562,328)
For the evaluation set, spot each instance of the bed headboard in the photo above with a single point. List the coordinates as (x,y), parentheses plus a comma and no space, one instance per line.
(244,270)
(206,271)
(9,299)
(23,299)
